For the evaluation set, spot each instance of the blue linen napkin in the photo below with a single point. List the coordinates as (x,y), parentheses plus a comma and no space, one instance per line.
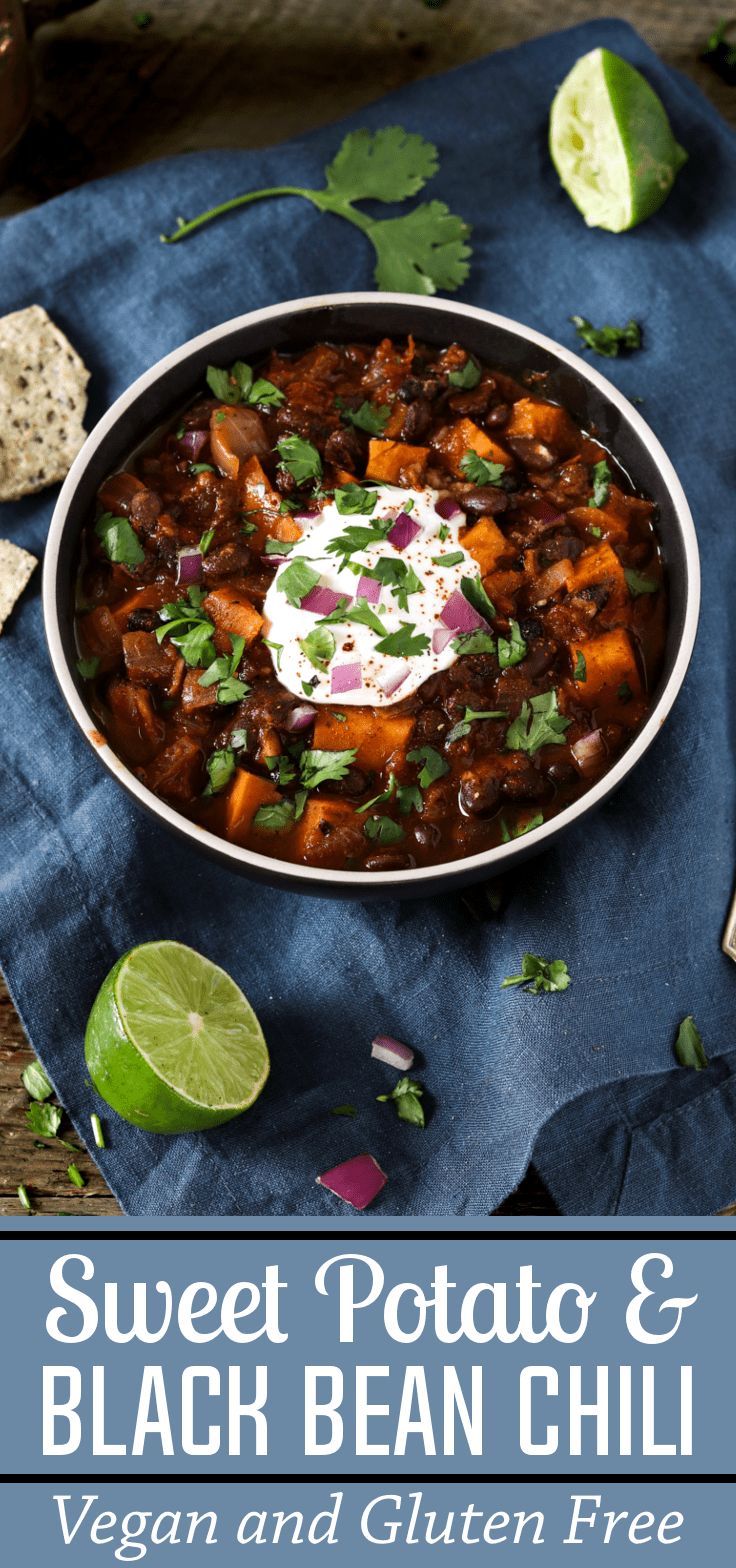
(634,900)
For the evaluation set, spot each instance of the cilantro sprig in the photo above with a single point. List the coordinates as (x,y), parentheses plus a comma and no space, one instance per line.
(119,540)
(419,252)
(540,974)
(237,386)
(540,723)
(602,477)
(480,470)
(299,458)
(608,341)
(406,1095)
(222,670)
(371,417)
(395,574)
(471,716)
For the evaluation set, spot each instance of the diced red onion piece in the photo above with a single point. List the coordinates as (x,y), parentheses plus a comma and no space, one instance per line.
(369,588)
(357,1181)
(459,614)
(192,442)
(393,1052)
(322,601)
(589,750)
(188,567)
(447,508)
(300,718)
(307,515)
(394,677)
(273,560)
(345,677)
(440,638)
(404,530)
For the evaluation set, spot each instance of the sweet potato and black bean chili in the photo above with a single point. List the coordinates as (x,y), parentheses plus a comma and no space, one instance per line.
(372,607)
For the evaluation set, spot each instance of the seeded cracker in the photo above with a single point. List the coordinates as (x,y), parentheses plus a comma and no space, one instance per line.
(42,403)
(16,566)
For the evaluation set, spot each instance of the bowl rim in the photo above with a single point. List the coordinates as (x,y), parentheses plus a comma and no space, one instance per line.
(471,867)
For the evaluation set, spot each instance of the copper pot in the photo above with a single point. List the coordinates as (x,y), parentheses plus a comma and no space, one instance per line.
(16,79)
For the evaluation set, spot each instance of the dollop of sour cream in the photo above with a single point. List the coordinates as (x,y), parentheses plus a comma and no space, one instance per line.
(358,672)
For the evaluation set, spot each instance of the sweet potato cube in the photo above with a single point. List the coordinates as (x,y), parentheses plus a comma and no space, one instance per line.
(177,772)
(610,664)
(463,436)
(246,794)
(326,833)
(486,543)
(231,610)
(377,738)
(598,565)
(195,697)
(135,730)
(396,463)
(545,422)
(150,597)
(147,660)
(100,636)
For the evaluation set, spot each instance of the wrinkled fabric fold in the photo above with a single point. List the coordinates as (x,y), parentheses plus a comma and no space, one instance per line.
(633,899)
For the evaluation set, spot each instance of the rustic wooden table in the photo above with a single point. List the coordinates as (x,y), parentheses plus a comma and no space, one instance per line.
(112,93)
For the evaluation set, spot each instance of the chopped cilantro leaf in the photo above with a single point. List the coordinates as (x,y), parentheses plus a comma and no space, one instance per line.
(409,798)
(297,580)
(624,693)
(276,817)
(540,974)
(278,546)
(473,642)
(689,1048)
(322,767)
(383,829)
(453,559)
(276,647)
(220,767)
(473,590)
(480,470)
(232,690)
(601,483)
(119,540)
(638,584)
(353,500)
(88,667)
(520,828)
(237,386)
(595,531)
(433,766)
(397,575)
(404,643)
(370,417)
(580,672)
(406,1095)
(358,536)
(318,647)
(443,532)
(361,613)
(386,794)
(460,730)
(540,723)
(206,541)
(238,739)
(201,468)
(196,646)
(511,650)
(608,341)
(299,458)
(467,378)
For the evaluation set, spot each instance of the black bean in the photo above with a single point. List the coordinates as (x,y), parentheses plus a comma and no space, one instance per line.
(389,860)
(480,793)
(142,620)
(483,500)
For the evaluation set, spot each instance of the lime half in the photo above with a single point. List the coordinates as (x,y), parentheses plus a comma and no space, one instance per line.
(172,1044)
(611,142)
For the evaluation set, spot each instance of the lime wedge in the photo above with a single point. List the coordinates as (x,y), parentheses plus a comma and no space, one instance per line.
(611,142)
(172,1044)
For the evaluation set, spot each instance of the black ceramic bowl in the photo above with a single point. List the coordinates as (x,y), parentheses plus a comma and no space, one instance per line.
(159,394)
